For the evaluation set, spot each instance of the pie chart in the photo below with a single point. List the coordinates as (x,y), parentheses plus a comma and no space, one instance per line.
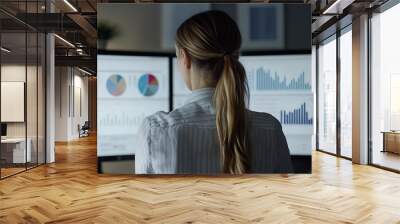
(116,85)
(148,84)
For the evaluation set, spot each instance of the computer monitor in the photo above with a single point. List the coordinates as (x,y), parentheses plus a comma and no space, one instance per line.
(180,91)
(3,130)
(130,87)
(282,86)
(278,84)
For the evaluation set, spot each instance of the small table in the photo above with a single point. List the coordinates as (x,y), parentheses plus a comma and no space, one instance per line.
(18,151)
(391,141)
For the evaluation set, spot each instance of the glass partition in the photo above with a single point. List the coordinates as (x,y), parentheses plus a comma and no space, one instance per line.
(22,77)
(346,93)
(327,96)
(385,89)
(14,154)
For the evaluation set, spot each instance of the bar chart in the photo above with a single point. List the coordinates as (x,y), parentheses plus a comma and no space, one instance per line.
(297,116)
(266,81)
(282,86)
(280,73)
(294,112)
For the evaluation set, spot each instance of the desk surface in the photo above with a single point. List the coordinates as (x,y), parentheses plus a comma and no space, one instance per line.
(13,140)
(391,132)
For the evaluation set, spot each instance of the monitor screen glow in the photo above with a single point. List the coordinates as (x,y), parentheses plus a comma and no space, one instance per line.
(129,89)
(280,85)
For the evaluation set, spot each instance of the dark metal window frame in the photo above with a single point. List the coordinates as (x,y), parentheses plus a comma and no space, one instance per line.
(44,78)
(387,5)
(336,35)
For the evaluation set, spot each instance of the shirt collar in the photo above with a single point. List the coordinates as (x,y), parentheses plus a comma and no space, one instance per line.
(203,94)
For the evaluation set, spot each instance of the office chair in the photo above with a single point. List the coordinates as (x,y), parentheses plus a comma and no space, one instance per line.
(84,130)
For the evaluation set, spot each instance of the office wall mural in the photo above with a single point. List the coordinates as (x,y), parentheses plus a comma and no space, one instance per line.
(144,80)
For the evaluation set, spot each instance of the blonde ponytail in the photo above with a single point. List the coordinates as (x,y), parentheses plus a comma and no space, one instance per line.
(230,105)
(212,39)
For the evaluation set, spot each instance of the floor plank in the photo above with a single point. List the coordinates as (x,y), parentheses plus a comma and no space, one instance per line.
(71,191)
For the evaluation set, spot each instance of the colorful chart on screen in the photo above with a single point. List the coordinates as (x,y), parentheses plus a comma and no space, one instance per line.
(148,85)
(116,85)
(130,88)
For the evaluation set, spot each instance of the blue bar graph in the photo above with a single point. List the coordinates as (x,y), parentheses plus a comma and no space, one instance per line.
(297,116)
(265,81)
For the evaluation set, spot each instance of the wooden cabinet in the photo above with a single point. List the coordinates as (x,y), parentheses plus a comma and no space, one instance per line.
(391,142)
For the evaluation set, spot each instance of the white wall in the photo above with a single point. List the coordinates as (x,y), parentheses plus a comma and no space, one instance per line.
(80,109)
(61,103)
(12,73)
(70,84)
(33,126)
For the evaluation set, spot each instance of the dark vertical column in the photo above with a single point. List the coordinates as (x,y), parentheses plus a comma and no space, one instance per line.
(316,97)
(26,86)
(1,164)
(338,92)
(37,90)
(369,90)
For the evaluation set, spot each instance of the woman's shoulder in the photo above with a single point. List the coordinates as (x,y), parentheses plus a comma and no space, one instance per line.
(264,120)
(165,119)
(158,119)
(188,114)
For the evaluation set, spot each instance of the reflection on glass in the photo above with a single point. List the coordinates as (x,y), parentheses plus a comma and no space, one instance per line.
(346,94)
(327,97)
(385,84)
(22,92)
(14,151)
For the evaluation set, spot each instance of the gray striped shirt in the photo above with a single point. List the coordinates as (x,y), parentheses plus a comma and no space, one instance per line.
(184,141)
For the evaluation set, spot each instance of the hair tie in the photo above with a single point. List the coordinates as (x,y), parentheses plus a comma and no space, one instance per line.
(230,53)
(226,54)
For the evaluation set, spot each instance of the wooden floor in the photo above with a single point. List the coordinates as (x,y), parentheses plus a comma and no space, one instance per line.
(10,171)
(70,191)
(387,159)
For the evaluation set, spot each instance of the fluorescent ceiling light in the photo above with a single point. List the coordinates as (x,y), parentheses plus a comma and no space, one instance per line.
(70,5)
(328,10)
(5,50)
(84,71)
(65,41)
(338,6)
